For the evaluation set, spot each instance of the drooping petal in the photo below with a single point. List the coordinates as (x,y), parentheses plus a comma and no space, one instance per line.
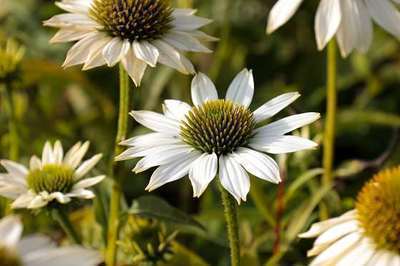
(86,166)
(188,23)
(327,21)
(233,178)
(169,56)
(281,12)
(241,90)
(15,170)
(385,14)
(176,109)
(146,52)
(23,200)
(69,35)
(203,89)
(115,50)
(10,231)
(134,66)
(157,122)
(202,172)
(274,106)
(95,57)
(282,144)
(185,42)
(258,164)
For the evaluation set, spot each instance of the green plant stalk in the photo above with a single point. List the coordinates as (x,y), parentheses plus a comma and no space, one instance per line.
(230,211)
(116,193)
(12,124)
(62,218)
(258,198)
(330,123)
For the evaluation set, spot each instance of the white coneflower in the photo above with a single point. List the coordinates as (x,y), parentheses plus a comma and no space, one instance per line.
(38,250)
(349,20)
(136,32)
(368,235)
(217,136)
(54,177)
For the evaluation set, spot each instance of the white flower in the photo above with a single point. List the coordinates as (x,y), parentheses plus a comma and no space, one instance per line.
(54,177)
(135,32)
(349,20)
(367,235)
(38,250)
(217,137)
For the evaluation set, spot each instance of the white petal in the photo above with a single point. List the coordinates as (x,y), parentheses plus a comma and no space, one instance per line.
(381,257)
(274,106)
(23,201)
(39,201)
(60,197)
(258,164)
(10,231)
(287,124)
(35,163)
(185,42)
(79,51)
(282,144)
(69,35)
(74,6)
(95,57)
(327,21)
(151,140)
(146,52)
(281,12)
(188,23)
(183,11)
(134,66)
(86,166)
(58,152)
(136,152)
(169,56)
(157,122)
(15,170)
(241,90)
(360,255)
(89,182)
(115,50)
(32,243)
(47,154)
(82,194)
(79,21)
(203,89)
(202,172)
(172,172)
(75,155)
(336,232)
(233,178)
(201,36)
(385,14)
(176,109)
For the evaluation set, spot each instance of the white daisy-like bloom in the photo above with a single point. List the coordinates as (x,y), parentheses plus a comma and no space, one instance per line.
(53,178)
(38,250)
(369,235)
(138,33)
(217,137)
(349,20)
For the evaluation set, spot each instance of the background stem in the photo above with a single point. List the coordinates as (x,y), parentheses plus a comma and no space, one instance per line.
(12,124)
(62,218)
(230,210)
(330,123)
(116,193)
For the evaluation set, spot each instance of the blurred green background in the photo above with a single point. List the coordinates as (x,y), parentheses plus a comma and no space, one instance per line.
(71,105)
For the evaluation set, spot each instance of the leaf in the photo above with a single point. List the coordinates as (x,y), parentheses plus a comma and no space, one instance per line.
(157,208)
(349,117)
(300,181)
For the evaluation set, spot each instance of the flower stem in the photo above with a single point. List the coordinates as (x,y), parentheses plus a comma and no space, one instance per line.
(230,210)
(12,124)
(329,136)
(62,218)
(116,193)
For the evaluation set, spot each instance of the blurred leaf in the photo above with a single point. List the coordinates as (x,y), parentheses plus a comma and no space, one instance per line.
(156,208)
(349,117)
(302,180)
(184,257)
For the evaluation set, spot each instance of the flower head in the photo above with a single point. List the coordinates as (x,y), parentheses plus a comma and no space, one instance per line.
(53,178)
(217,135)
(11,55)
(349,20)
(38,250)
(136,32)
(368,235)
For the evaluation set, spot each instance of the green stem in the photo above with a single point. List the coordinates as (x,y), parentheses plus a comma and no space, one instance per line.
(12,124)
(230,210)
(116,193)
(330,123)
(62,218)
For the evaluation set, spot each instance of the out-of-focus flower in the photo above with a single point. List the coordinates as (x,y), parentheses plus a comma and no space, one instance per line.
(54,177)
(136,32)
(217,135)
(368,235)
(38,250)
(11,55)
(349,20)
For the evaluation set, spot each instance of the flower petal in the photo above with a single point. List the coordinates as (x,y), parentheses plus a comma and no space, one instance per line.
(327,21)
(10,231)
(176,109)
(188,23)
(169,56)
(203,89)
(35,163)
(86,166)
(75,155)
(15,170)
(385,15)
(23,201)
(151,140)
(185,42)
(202,172)
(281,12)
(69,35)
(89,182)
(282,144)
(115,50)
(157,122)
(241,90)
(58,152)
(146,52)
(274,106)
(134,66)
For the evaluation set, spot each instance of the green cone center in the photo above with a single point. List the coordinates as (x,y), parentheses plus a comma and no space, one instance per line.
(51,178)
(218,126)
(378,208)
(135,20)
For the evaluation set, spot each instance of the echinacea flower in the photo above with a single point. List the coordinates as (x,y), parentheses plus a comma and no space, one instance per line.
(135,32)
(54,177)
(349,20)
(217,135)
(367,235)
(38,250)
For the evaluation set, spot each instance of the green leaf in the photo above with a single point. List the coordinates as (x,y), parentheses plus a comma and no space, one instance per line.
(349,117)
(157,208)
(301,181)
